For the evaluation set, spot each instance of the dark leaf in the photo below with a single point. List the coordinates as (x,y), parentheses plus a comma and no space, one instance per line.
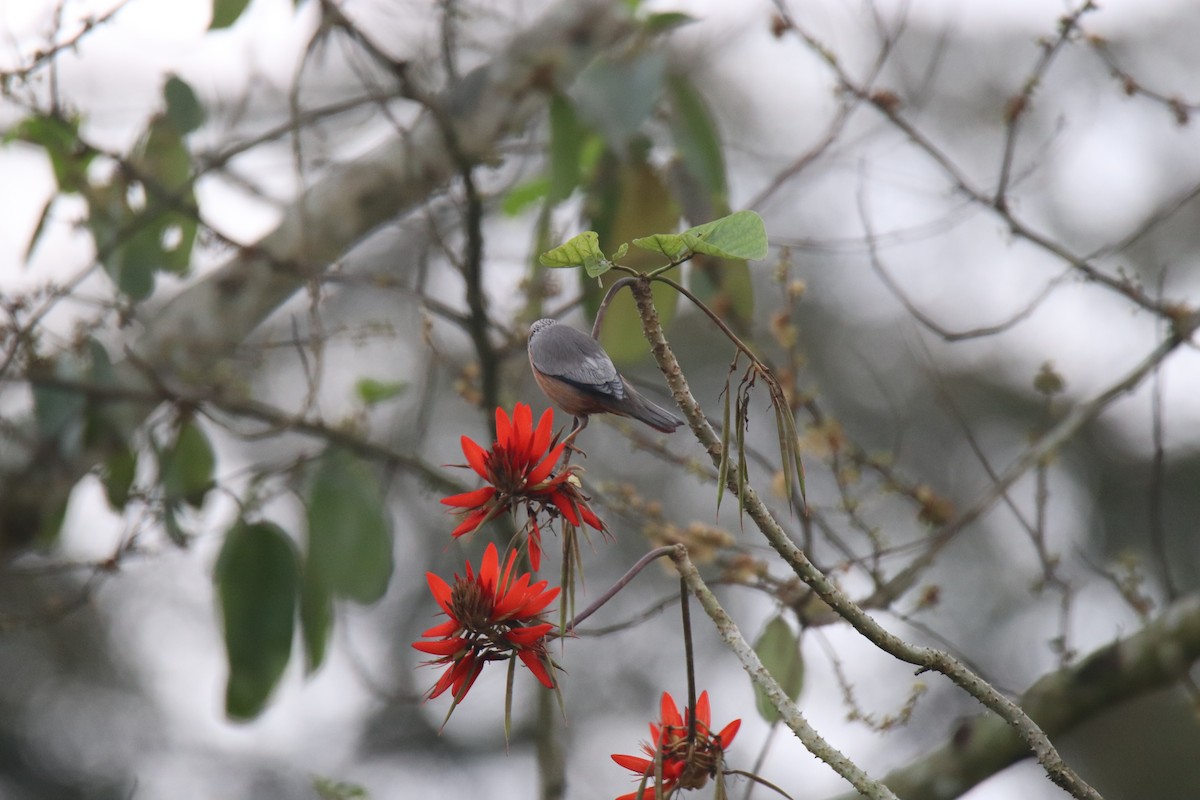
(183,108)
(779,651)
(186,468)
(567,136)
(120,468)
(226,12)
(349,529)
(696,138)
(616,97)
(257,582)
(316,617)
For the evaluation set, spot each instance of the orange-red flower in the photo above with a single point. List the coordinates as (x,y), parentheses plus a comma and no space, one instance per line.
(493,616)
(519,470)
(683,767)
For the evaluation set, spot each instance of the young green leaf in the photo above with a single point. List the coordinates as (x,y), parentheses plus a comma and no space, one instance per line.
(670,245)
(349,528)
(523,195)
(739,235)
(372,391)
(779,651)
(578,251)
(256,579)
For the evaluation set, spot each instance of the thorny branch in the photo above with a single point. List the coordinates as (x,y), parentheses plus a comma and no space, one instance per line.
(924,657)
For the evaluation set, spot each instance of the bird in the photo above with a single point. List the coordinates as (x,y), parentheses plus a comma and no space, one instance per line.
(573,370)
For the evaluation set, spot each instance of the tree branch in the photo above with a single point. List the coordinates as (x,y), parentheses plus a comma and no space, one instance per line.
(926,658)
(1155,657)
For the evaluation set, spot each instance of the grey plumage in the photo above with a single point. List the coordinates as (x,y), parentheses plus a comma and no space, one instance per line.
(573,356)
(564,357)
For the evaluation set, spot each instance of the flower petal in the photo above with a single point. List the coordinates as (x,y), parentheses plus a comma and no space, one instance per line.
(441,592)
(452,675)
(728,732)
(536,604)
(503,429)
(590,517)
(447,647)
(447,628)
(522,427)
(489,568)
(543,470)
(476,457)
(703,712)
(525,637)
(532,660)
(670,712)
(566,507)
(633,763)
(534,542)
(541,436)
(474,499)
(473,521)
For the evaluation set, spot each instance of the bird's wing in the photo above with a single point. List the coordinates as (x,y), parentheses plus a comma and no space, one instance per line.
(574,357)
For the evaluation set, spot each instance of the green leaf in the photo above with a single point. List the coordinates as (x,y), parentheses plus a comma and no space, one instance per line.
(372,391)
(120,468)
(739,235)
(316,617)
(567,136)
(60,416)
(39,228)
(616,97)
(226,12)
(579,251)
(666,21)
(621,251)
(329,789)
(186,468)
(524,195)
(166,231)
(257,580)
(696,138)
(629,200)
(779,651)
(183,108)
(59,137)
(349,529)
(669,244)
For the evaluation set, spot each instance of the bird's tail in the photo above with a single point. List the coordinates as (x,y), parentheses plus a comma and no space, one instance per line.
(653,415)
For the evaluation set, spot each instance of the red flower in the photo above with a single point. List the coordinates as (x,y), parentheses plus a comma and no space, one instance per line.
(682,767)
(494,616)
(519,470)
